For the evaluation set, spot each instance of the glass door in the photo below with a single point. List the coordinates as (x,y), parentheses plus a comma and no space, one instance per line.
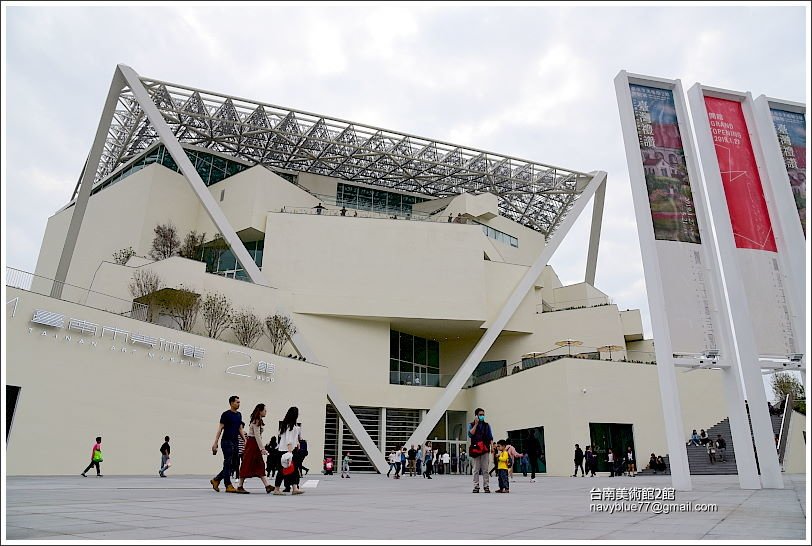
(421,374)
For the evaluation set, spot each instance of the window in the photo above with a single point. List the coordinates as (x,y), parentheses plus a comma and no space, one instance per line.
(211,168)
(413,360)
(379,201)
(499,236)
(222,261)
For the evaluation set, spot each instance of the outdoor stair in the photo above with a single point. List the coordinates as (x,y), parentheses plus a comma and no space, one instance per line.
(698,461)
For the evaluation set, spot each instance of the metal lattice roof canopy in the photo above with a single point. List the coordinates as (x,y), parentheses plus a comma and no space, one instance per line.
(533,194)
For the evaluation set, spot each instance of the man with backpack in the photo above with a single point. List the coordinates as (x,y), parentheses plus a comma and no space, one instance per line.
(481,439)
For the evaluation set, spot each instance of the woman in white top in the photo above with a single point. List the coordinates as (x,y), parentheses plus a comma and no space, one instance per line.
(289,434)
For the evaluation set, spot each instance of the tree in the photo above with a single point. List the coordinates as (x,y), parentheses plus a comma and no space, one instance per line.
(181,305)
(280,329)
(785,383)
(191,246)
(144,284)
(121,256)
(216,313)
(247,327)
(165,244)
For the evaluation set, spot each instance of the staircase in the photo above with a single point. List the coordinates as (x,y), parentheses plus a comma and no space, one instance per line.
(698,460)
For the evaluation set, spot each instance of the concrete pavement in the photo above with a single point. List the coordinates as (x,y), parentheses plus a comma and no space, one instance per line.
(373,507)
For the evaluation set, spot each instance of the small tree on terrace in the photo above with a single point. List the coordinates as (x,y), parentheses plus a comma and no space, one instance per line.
(216,314)
(181,305)
(191,246)
(247,327)
(280,329)
(145,282)
(121,256)
(165,244)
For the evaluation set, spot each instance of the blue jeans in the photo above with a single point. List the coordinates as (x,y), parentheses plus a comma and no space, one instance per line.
(504,484)
(229,448)
(164,458)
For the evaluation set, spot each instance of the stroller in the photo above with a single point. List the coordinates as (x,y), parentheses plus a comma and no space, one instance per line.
(328,466)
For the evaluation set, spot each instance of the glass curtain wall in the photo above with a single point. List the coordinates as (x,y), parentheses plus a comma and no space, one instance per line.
(211,168)
(222,261)
(379,201)
(413,360)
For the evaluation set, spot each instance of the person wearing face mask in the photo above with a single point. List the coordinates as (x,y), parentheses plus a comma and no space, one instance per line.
(481,439)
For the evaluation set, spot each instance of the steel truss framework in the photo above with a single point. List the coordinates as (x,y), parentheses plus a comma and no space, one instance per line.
(533,194)
(139,112)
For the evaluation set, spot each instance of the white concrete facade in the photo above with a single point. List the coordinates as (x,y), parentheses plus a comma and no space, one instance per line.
(348,282)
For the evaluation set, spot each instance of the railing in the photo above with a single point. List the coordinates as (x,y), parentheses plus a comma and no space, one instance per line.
(382,215)
(16,278)
(568,305)
(442,380)
(783,433)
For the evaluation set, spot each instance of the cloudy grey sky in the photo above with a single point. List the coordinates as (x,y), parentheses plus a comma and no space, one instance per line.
(533,82)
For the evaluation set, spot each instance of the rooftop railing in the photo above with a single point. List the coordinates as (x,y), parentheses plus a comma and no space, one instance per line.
(16,278)
(585,353)
(380,215)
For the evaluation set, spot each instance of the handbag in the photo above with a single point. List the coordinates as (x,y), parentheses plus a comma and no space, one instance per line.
(168,463)
(288,470)
(97,456)
(477,449)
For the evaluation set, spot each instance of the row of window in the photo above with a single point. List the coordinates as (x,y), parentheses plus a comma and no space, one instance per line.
(222,261)
(500,236)
(413,360)
(211,168)
(384,202)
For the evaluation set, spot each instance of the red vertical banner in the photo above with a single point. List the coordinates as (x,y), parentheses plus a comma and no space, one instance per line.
(737,165)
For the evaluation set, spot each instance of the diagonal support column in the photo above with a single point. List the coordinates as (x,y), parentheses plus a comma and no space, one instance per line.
(85,184)
(342,407)
(220,220)
(171,143)
(595,234)
(522,288)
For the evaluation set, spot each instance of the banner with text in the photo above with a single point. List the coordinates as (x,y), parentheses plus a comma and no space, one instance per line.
(678,253)
(752,229)
(790,127)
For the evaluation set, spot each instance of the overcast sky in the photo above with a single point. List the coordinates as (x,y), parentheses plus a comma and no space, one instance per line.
(533,82)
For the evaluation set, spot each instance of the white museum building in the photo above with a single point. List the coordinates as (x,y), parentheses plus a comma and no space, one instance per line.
(414,271)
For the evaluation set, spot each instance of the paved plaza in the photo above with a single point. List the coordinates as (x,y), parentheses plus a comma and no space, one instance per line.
(373,507)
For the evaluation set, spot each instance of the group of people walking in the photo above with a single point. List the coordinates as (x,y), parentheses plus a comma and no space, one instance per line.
(619,465)
(291,449)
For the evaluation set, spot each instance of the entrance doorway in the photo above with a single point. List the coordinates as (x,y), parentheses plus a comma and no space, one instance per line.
(421,375)
(455,449)
(12,394)
(528,440)
(614,436)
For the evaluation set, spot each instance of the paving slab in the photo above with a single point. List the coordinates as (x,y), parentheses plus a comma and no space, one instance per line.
(370,507)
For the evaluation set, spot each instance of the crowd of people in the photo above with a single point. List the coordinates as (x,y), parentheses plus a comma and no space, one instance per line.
(246,455)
